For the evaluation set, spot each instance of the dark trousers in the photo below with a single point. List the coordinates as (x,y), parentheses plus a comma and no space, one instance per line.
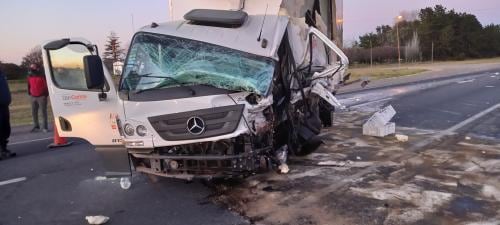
(36,103)
(4,126)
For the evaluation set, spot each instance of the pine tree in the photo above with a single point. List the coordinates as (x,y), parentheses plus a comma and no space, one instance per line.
(113,52)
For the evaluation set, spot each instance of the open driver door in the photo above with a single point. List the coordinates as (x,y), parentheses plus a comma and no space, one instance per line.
(85,101)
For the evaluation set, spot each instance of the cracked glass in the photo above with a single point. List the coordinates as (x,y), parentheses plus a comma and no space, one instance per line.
(159,61)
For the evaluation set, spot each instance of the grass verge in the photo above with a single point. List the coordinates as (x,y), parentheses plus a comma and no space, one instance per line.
(20,109)
(382,73)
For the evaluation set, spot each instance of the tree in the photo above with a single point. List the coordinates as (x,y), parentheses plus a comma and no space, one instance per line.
(113,51)
(33,56)
(454,35)
(12,71)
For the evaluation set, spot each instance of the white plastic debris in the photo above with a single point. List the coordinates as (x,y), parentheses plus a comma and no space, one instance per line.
(100,178)
(378,125)
(125,183)
(467,138)
(402,138)
(97,219)
(284,168)
(358,158)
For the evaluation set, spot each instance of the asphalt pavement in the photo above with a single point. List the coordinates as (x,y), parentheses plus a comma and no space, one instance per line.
(62,186)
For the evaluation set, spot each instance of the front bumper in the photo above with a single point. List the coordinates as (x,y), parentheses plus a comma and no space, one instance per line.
(226,158)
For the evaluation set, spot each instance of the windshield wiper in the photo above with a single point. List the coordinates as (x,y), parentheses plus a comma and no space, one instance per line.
(193,92)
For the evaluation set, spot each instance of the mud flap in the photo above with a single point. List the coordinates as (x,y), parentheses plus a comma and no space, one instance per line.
(116,160)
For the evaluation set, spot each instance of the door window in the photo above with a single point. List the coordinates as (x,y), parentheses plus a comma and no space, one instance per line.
(67,67)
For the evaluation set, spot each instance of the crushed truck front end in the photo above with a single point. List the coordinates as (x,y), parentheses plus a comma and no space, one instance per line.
(205,100)
(220,93)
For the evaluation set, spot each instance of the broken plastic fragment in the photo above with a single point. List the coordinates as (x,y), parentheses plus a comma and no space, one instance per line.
(401,137)
(378,125)
(284,168)
(100,178)
(97,219)
(125,183)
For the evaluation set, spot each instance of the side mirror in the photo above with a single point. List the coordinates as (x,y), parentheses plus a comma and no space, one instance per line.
(94,73)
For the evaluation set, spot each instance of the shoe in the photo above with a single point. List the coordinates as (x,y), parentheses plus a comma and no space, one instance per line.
(35,129)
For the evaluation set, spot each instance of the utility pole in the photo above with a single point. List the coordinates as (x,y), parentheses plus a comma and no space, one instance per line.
(371,54)
(399,44)
(133,24)
(432,53)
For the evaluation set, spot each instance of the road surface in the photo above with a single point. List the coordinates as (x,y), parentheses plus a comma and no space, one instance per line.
(62,186)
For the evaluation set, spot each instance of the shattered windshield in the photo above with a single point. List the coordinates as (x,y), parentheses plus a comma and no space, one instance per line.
(160,61)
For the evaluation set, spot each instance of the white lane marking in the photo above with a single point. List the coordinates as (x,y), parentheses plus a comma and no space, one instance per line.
(451,130)
(472,119)
(448,112)
(30,141)
(465,81)
(369,103)
(11,181)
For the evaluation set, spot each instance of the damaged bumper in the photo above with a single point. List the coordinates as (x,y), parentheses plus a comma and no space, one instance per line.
(240,156)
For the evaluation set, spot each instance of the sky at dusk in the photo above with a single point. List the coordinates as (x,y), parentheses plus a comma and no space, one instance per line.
(27,23)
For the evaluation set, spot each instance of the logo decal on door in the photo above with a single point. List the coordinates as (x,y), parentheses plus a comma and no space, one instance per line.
(74,100)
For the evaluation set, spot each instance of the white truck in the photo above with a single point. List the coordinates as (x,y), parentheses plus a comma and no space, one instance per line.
(228,90)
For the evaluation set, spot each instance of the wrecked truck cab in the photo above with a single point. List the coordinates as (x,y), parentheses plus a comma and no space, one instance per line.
(217,94)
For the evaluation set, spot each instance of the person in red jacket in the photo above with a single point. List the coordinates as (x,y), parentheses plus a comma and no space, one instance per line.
(37,89)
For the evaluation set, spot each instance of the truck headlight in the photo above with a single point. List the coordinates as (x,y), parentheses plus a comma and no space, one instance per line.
(141,130)
(129,129)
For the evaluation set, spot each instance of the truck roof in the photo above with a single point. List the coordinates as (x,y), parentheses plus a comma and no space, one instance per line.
(244,38)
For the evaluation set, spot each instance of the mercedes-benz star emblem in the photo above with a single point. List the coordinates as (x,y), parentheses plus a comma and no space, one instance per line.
(195,125)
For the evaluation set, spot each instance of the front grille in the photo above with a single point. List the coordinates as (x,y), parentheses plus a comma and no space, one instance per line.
(218,121)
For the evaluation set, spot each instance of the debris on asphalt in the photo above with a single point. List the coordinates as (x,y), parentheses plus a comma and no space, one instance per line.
(453,181)
(468,138)
(100,178)
(125,183)
(284,169)
(378,124)
(402,137)
(96,220)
